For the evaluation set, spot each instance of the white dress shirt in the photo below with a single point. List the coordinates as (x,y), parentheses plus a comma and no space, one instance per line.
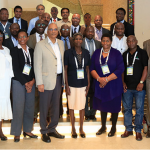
(53,20)
(38,37)
(56,50)
(77,28)
(120,45)
(19,21)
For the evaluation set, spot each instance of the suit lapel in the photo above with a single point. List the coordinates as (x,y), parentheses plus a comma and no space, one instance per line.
(11,42)
(61,50)
(83,43)
(34,40)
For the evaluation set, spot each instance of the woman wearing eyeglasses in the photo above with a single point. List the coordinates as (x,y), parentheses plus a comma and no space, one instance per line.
(6,73)
(23,88)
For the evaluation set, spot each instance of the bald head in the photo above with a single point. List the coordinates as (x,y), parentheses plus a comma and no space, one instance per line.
(52,31)
(98,21)
(75,20)
(119,29)
(14,28)
(132,42)
(46,17)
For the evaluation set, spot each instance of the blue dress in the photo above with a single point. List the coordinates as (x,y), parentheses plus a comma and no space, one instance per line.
(108,99)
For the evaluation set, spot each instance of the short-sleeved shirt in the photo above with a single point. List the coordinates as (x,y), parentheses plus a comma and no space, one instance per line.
(141,61)
(69,60)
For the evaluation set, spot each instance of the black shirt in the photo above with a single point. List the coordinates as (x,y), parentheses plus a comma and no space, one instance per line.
(141,61)
(69,60)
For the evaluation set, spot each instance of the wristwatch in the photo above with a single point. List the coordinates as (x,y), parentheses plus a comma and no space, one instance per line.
(141,82)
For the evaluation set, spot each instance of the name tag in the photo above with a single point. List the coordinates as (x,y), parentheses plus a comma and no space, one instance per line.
(105,69)
(130,70)
(6,35)
(26,69)
(80,74)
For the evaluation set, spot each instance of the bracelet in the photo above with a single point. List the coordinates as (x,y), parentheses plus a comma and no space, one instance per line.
(98,78)
(106,80)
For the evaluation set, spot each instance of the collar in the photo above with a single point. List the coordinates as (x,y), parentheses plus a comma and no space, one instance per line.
(121,21)
(63,38)
(88,40)
(39,34)
(50,42)
(118,38)
(98,30)
(6,23)
(53,19)
(13,38)
(66,22)
(19,46)
(17,19)
(135,51)
(75,27)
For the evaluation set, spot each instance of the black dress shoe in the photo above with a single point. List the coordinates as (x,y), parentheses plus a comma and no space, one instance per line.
(45,138)
(100,131)
(56,135)
(31,136)
(74,135)
(3,138)
(112,132)
(92,117)
(82,135)
(87,117)
(16,139)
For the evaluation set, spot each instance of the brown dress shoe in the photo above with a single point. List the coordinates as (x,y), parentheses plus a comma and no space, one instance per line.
(126,134)
(138,136)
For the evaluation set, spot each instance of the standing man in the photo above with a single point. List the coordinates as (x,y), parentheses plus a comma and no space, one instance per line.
(119,41)
(12,41)
(134,76)
(87,20)
(91,45)
(75,27)
(65,12)
(4,24)
(54,13)
(17,18)
(46,18)
(120,14)
(40,10)
(99,30)
(49,74)
(146,46)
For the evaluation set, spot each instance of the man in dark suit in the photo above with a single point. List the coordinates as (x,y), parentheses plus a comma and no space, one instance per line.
(91,45)
(17,18)
(75,27)
(12,41)
(99,30)
(120,14)
(54,12)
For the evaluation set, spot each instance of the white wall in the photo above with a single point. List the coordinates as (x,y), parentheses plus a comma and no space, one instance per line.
(3,3)
(142,21)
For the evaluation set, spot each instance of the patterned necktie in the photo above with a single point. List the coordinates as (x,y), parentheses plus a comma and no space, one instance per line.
(75,30)
(17,20)
(54,20)
(66,46)
(41,37)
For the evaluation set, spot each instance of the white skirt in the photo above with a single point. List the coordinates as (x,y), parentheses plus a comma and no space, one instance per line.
(77,98)
(5,105)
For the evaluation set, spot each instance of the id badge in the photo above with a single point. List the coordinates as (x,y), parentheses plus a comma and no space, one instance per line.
(105,69)
(6,35)
(130,70)
(26,69)
(80,74)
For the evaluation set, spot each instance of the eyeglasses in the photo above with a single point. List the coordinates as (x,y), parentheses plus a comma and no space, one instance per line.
(65,29)
(41,24)
(1,35)
(22,37)
(53,29)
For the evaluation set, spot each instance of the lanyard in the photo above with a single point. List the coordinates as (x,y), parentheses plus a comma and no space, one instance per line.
(133,59)
(88,46)
(27,55)
(101,56)
(4,26)
(77,62)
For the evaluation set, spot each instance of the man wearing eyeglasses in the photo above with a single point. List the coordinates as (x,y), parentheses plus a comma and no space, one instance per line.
(65,12)
(75,27)
(40,10)
(49,74)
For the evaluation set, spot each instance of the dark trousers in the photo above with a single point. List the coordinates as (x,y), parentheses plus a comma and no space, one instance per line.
(50,99)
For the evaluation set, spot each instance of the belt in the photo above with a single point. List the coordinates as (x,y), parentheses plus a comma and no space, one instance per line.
(59,74)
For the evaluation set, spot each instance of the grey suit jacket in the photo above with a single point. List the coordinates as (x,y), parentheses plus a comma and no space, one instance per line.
(97,44)
(45,64)
(32,40)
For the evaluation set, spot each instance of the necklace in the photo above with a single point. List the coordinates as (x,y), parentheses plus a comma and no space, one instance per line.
(105,52)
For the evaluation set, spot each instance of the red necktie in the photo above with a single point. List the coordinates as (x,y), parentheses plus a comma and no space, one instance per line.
(41,38)
(54,20)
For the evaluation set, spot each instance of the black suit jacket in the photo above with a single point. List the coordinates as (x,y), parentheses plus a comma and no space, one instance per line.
(129,29)
(8,43)
(18,62)
(24,23)
(58,19)
(105,31)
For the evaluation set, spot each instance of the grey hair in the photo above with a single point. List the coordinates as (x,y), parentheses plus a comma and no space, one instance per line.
(76,34)
(40,5)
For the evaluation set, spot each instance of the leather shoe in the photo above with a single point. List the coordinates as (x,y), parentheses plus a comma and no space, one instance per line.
(126,134)
(100,131)
(112,132)
(56,135)
(3,138)
(16,139)
(92,117)
(74,136)
(138,136)
(45,138)
(82,135)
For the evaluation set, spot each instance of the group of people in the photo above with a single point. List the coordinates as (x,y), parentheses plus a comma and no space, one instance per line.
(93,65)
